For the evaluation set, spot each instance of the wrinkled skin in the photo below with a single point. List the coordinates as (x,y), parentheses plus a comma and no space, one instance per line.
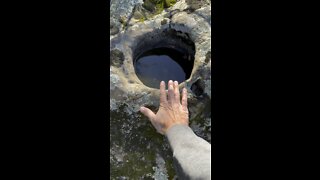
(171,110)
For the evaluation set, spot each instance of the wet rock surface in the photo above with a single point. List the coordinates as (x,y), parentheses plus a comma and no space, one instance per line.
(137,151)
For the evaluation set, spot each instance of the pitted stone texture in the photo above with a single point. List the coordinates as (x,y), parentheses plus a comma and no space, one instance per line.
(120,13)
(196,4)
(116,58)
(199,31)
(114,29)
(133,134)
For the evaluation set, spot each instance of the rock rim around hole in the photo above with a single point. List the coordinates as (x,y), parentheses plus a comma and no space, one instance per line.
(125,86)
(137,151)
(167,61)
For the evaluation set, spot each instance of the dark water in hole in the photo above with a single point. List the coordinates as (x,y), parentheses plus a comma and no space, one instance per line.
(162,64)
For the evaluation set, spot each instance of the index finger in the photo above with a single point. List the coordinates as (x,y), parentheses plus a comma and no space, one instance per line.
(163,95)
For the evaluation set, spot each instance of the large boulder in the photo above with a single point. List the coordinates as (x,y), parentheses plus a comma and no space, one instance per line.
(185,24)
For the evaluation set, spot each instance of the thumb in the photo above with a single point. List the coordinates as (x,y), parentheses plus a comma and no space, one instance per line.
(147,112)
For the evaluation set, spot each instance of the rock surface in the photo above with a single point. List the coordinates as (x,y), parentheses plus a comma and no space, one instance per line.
(137,151)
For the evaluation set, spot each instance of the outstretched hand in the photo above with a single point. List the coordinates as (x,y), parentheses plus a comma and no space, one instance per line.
(171,111)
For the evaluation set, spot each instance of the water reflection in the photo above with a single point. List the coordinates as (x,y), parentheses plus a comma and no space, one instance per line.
(160,64)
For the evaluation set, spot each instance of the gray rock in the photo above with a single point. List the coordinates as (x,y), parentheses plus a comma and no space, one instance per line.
(131,132)
(113,29)
(116,58)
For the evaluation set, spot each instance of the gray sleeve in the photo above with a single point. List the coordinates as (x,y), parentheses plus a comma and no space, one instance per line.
(192,154)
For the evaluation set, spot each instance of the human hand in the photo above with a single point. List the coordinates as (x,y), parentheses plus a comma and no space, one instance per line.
(171,111)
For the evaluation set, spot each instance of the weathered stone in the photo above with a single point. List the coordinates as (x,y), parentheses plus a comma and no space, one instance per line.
(194,26)
(113,29)
(196,4)
(164,21)
(138,15)
(149,5)
(208,57)
(138,151)
(198,87)
(116,58)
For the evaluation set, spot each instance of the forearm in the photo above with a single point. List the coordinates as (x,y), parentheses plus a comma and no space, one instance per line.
(192,154)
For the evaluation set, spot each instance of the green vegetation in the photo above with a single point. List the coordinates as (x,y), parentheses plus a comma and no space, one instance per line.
(169,3)
(141,19)
(123,21)
(157,6)
(139,143)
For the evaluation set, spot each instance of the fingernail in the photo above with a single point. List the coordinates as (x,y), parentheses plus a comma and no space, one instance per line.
(176,82)
(141,108)
(161,82)
(170,81)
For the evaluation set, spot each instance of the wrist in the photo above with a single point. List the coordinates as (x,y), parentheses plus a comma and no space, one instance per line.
(174,125)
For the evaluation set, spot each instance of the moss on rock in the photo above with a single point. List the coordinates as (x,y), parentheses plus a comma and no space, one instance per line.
(157,6)
(169,3)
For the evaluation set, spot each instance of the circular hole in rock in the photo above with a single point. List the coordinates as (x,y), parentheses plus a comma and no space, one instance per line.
(168,56)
